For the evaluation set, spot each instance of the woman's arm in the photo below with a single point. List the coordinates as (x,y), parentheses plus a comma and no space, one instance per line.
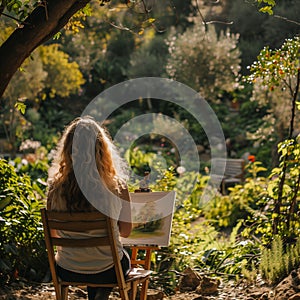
(125,227)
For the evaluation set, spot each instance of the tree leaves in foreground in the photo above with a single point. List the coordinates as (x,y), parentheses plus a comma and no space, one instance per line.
(21,238)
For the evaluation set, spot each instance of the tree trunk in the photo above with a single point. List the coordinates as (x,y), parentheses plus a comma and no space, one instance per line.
(40,26)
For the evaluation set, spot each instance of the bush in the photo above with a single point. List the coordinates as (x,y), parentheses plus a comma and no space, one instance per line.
(242,201)
(21,234)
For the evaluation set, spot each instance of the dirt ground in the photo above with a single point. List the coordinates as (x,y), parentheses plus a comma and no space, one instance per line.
(287,289)
(32,291)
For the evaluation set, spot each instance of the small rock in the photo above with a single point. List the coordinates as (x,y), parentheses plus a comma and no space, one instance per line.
(189,281)
(261,294)
(155,295)
(264,296)
(295,297)
(286,289)
(208,286)
(295,280)
(80,293)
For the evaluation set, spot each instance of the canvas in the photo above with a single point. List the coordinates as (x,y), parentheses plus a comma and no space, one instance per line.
(152,215)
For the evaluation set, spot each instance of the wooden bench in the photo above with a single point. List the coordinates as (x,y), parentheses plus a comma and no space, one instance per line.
(234,172)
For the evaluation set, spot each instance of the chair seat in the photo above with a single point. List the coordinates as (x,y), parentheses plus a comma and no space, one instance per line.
(75,283)
(134,274)
(232,180)
(138,272)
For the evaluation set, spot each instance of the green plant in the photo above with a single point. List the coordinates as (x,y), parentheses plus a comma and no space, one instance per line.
(278,261)
(262,195)
(184,244)
(36,169)
(21,238)
(141,161)
(191,185)
(231,261)
(284,189)
(279,69)
(261,219)
(242,201)
(223,211)
(166,180)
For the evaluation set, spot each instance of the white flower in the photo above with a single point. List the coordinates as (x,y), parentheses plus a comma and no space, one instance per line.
(12,163)
(180,170)
(24,162)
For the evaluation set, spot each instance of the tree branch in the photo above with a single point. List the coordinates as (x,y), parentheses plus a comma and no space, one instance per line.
(205,23)
(39,26)
(286,19)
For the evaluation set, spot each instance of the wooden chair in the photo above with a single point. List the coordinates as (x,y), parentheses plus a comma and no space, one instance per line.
(81,222)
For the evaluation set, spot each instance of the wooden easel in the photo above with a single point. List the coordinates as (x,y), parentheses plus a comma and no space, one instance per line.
(145,262)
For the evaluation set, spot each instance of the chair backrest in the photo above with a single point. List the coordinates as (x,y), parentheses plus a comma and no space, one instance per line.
(234,167)
(79,222)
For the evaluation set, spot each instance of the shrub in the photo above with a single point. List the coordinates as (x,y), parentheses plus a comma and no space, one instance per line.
(243,200)
(21,238)
(204,60)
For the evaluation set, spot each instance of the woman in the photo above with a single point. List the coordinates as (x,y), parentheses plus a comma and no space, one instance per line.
(75,155)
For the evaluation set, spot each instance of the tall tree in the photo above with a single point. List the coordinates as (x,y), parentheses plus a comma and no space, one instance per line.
(37,24)
(38,21)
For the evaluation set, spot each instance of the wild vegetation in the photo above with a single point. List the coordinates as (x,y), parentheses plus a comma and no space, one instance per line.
(232,235)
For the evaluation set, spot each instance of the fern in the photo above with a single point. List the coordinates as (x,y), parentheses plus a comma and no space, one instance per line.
(277,262)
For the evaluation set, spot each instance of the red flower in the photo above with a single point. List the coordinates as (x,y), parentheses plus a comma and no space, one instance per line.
(251,158)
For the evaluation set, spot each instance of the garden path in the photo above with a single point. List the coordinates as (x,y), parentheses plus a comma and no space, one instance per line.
(288,289)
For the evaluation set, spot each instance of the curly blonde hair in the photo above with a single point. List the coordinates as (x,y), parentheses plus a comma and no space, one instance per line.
(64,187)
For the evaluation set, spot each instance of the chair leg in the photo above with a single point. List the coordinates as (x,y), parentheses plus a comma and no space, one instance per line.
(133,291)
(57,291)
(64,292)
(143,295)
(223,187)
(124,294)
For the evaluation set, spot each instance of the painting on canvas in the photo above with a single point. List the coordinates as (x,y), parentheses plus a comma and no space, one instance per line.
(152,215)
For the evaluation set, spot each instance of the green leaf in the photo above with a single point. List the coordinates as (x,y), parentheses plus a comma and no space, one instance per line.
(21,107)
(4,202)
(151,20)
(57,36)
(266,9)
(272,187)
(87,10)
